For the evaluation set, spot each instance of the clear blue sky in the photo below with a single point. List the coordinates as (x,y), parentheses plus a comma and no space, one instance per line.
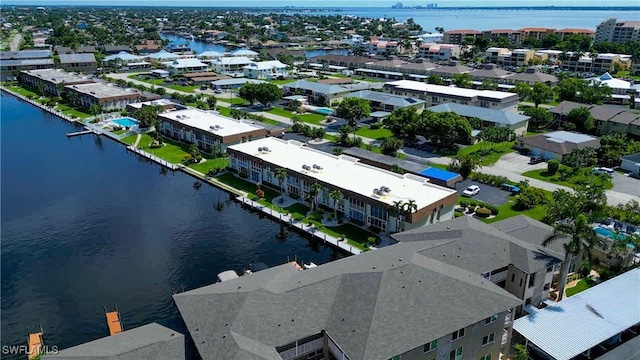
(326,3)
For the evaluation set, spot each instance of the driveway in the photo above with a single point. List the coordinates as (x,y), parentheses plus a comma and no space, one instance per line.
(517,163)
(625,184)
(489,194)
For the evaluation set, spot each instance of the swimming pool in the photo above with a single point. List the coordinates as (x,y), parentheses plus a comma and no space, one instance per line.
(607,233)
(323,111)
(126,122)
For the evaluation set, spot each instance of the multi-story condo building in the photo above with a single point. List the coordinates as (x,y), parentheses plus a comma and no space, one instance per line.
(369,193)
(572,31)
(208,130)
(52,81)
(387,102)
(107,96)
(439,52)
(11,61)
(536,33)
(607,62)
(491,54)
(515,58)
(82,62)
(233,66)
(266,70)
(382,47)
(437,94)
(512,35)
(456,36)
(614,31)
(325,94)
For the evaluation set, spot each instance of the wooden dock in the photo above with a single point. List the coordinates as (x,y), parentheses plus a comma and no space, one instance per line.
(113,321)
(35,342)
(78,133)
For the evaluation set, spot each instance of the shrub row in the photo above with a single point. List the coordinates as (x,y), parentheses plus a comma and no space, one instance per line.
(493,210)
(483,212)
(306,130)
(491,180)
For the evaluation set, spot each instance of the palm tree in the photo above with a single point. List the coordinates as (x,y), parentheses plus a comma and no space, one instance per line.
(582,240)
(312,195)
(396,211)
(410,207)
(625,248)
(336,195)
(96,109)
(281,175)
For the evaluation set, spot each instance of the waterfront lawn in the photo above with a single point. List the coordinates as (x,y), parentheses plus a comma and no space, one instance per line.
(23,90)
(250,188)
(173,151)
(488,152)
(69,111)
(211,164)
(580,286)
(377,134)
(129,140)
(581,175)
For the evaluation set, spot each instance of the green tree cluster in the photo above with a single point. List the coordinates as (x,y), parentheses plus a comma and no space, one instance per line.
(264,93)
(582,91)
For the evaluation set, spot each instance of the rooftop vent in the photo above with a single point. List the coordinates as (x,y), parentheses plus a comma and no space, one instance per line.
(317,167)
(266,149)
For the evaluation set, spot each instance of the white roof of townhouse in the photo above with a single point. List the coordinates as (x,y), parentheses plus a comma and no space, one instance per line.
(345,172)
(266,65)
(159,102)
(187,63)
(211,122)
(454,91)
(228,60)
(103,90)
(57,76)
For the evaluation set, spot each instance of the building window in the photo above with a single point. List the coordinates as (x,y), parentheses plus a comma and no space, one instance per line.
(486,357)
(547,286)
(488,339)
(513,277)
(430,346)
(458,334)
(520,282)
(456,354)
(532,279)
(491,320)
(549,269)
(527,302)
(398,357)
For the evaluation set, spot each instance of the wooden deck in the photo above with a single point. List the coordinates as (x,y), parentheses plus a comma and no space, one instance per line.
(113,321)
(35,345)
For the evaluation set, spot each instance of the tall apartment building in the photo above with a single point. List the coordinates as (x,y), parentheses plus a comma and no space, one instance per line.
(456,36)
(614,31)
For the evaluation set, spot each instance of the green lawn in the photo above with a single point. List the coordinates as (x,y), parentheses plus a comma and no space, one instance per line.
(307,117)
(626,74)
(377,134)
(157,82)
(488,152)
(173,151)
(581,285)
(120,132)
(543,175)
(438,166)
(507,210)
(187,89)
(160,82)
(24,91)
(211,163)
(234,101)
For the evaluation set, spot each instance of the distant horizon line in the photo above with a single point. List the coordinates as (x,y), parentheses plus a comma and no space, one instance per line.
(414,7)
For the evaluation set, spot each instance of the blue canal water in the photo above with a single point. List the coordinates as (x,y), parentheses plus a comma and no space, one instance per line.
(85,224)
(200,46)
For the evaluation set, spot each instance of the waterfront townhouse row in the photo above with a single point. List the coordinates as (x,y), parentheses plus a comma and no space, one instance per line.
(438,94)
(514,36)
(369,193)
(52,81)
(16,61)
(407,301)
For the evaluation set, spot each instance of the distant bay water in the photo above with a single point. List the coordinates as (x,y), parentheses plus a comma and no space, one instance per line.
(85,224)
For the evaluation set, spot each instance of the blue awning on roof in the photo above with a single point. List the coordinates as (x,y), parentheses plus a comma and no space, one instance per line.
(439,174)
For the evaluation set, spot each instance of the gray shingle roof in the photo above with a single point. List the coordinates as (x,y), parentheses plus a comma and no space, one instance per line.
(387,99)
(151,341)
(355,300)
(328,89)
(77,58)
(529,230)
(633,157)
(25,54)
(478,247)
(495,116)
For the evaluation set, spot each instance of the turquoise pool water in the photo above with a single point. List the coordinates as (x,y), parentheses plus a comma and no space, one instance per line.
(323,111)
(126,122)
(607,233)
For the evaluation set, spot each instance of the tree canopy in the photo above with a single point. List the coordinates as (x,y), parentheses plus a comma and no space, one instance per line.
(263,93)
(352,110)
(539,118)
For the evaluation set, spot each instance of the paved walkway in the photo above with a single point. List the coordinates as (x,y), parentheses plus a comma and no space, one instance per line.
(15,43)
(135,144)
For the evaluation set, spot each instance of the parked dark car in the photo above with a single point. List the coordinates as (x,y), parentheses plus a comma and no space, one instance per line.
(536,160)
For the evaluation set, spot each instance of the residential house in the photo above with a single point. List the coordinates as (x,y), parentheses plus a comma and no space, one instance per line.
(108,96)
(12,62)
(490,117)
(450,70)
(557,144)
(631,163)
(209,55)
(618,32)
(439,52)
(244,53)
(431,38)
(531,76)
(369,192)
(592,323)
(232,66)
(125,59)
(207,129)
(266,70)
(52,81)
(456,36)
(322,94)
(162,56)
(147,47)
(387,102)
(82,63)
(438,94)
(178,47)
(207,77)
(181,66)
(116,49)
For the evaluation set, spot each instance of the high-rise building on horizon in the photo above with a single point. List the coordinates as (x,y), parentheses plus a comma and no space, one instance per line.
(614,31)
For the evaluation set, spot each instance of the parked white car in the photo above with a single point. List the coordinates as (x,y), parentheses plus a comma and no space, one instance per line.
(602,170)
(472,190)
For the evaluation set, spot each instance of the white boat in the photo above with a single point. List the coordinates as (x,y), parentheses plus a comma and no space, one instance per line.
(309,266)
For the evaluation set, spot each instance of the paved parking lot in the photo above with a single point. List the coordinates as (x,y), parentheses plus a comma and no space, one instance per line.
(487,193)
(625,184)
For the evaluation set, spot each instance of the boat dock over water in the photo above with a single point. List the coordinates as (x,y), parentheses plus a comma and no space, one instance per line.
(35,342)
(113,321)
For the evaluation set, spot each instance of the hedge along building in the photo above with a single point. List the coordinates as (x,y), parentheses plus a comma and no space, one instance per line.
(370,194)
